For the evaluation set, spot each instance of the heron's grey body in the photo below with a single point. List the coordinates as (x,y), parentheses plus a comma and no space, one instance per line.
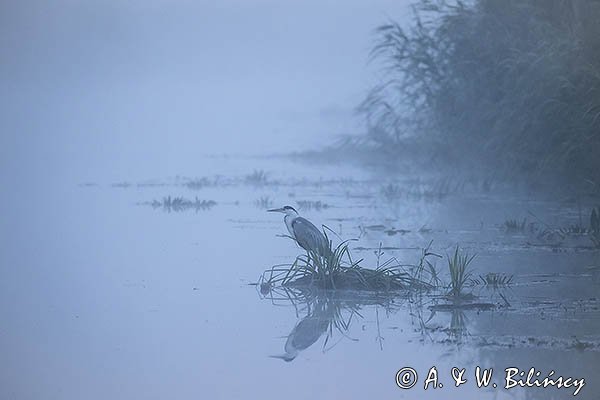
(306,234)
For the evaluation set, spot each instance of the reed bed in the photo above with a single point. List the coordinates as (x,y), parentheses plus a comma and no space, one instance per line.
(508,85)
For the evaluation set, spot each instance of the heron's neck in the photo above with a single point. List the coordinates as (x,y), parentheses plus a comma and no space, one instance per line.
(288,219)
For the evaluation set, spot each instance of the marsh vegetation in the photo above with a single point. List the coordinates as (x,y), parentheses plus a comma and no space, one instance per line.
(152,284)
(339,271)
(580,235)
(178,204)
(439,265)
(510,87)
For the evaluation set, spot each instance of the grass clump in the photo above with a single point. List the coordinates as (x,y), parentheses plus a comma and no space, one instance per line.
(515,226)
(123,185)
(264,202)
(493,279)
(317,205)
(338,270)
(178,204)
(199,183)
(391,191)
(258,177)
(459,273)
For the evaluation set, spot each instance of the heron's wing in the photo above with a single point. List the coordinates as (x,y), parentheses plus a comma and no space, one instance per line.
(308,236)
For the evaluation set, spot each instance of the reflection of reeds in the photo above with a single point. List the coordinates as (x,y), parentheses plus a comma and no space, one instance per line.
(178,204)
(325,314)
(458,325)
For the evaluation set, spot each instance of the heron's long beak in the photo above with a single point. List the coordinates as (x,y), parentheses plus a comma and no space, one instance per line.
(285,357)
(275,210)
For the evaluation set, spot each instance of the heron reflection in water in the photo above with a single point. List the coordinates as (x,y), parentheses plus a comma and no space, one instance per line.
(308,330)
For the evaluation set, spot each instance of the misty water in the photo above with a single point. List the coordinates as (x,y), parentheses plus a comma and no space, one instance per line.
(129,259)
(125,299)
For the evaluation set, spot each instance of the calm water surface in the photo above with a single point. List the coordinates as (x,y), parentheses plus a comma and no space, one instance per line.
(103,296)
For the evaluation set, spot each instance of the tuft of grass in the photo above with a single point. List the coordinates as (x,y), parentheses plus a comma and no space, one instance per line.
(198,183)
(310,205)
(459,273)
(178,204)
(514,226)
(574,229)
(391,191)
(264,202)
(425,270)
(258,177)
(338,270)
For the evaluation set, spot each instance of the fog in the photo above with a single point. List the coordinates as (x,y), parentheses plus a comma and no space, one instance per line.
(144,142)
(96,89)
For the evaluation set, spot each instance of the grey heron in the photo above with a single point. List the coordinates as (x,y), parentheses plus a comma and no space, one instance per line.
(308,236)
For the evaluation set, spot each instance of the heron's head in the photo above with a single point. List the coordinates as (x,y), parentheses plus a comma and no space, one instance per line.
(288,210)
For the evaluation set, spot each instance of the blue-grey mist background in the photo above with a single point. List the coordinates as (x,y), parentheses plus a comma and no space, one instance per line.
(96,89)
(108,105)
(105,91)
